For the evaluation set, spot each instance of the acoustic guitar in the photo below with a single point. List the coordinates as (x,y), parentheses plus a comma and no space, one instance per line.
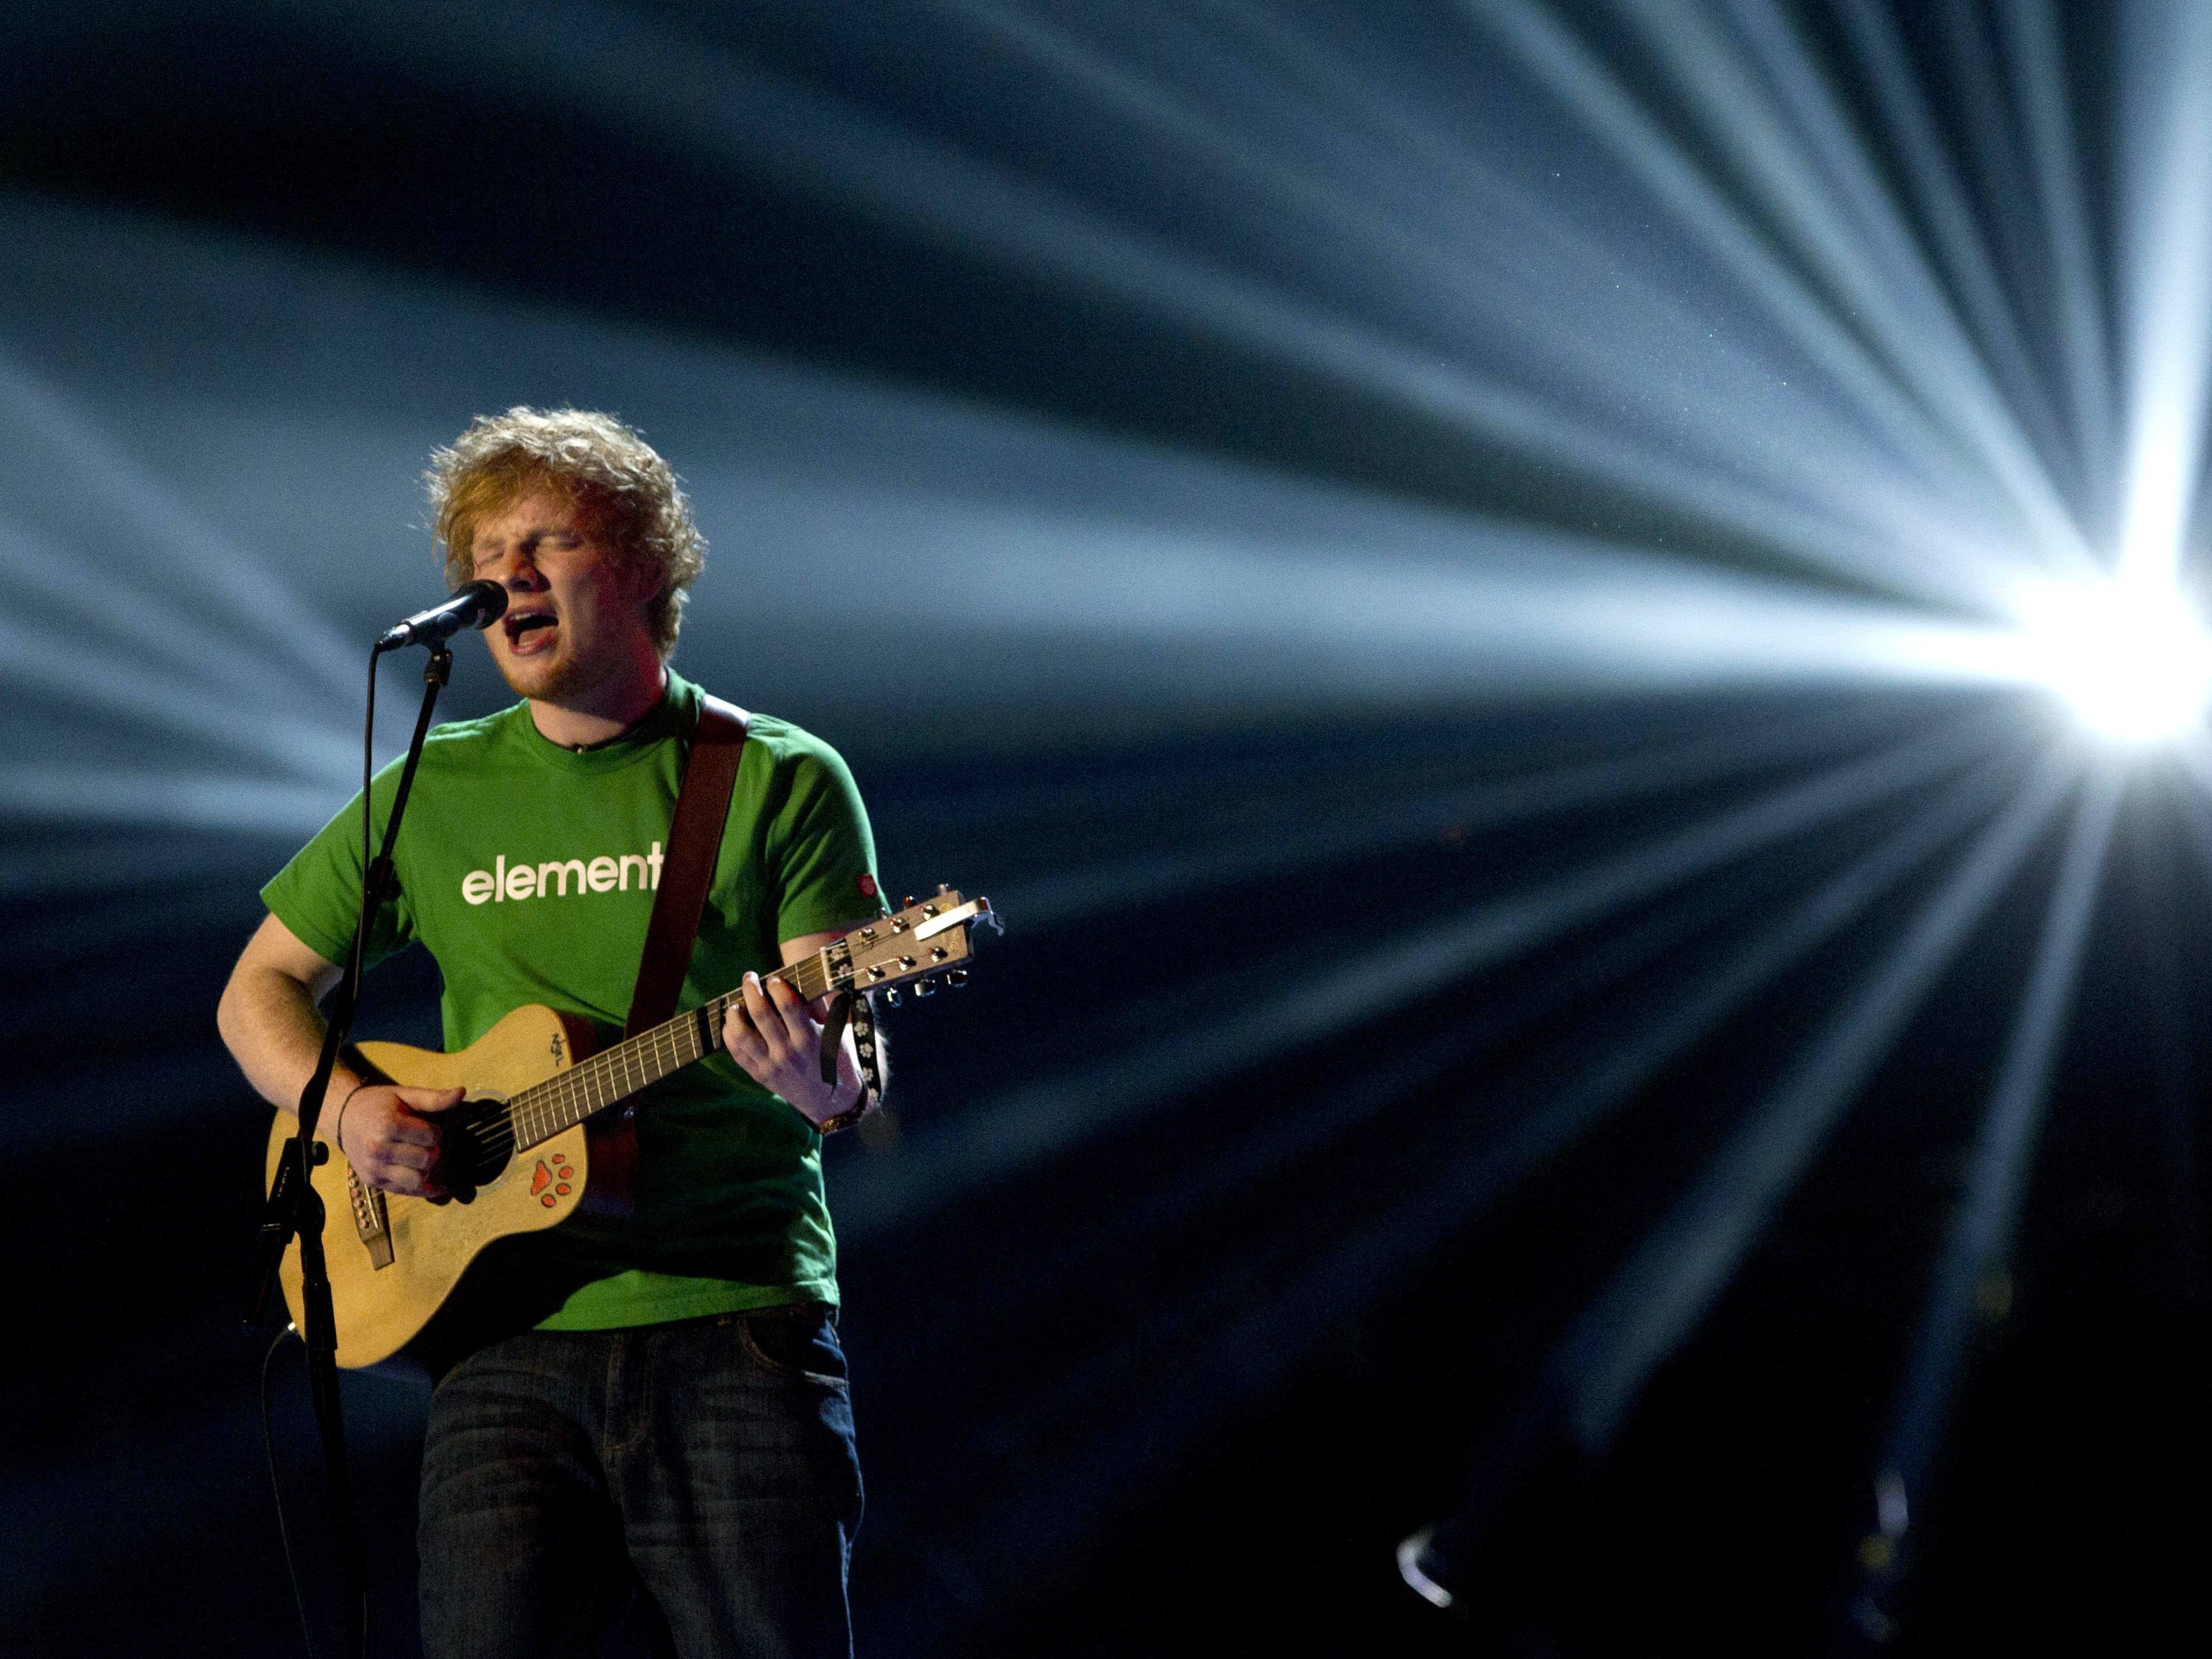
(518,1153)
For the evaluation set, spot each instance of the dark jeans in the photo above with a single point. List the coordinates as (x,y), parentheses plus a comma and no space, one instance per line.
(709,1464)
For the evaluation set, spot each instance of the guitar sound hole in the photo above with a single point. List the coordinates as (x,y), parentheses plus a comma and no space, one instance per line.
(477,1142)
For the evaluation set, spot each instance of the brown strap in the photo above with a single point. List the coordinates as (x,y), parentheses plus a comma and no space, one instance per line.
(687,868)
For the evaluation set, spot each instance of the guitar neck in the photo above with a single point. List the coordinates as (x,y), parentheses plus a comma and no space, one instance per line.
(613,1075)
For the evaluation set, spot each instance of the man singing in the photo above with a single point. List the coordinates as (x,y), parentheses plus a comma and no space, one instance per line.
(671,1418)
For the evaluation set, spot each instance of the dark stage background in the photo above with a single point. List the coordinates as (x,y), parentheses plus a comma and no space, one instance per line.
(1455,571)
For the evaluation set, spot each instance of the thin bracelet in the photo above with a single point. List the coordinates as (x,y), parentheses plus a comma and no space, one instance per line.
(337,1129)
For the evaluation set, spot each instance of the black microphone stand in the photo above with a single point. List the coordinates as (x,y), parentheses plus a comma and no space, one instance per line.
(295,1209)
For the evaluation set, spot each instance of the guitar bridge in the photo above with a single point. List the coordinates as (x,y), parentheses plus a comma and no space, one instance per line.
(372,1220)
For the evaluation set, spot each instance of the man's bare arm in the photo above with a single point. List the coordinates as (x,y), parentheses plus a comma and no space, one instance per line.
(269,1022)
(268,1018)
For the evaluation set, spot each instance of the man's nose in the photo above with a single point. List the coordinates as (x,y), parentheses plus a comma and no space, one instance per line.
(518,571)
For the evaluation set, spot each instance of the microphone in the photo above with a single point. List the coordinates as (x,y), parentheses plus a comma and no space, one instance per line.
(473,604)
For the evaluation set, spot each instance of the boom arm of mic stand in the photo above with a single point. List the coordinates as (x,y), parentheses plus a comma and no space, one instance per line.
(295,1210)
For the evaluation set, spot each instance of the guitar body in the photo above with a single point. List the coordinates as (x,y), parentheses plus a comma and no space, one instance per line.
(395,1261)
(415,1283)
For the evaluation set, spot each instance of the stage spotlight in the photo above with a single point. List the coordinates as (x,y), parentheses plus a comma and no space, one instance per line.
(2131,658)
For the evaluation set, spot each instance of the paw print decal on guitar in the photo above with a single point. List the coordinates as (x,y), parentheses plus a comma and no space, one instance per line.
(554,1171)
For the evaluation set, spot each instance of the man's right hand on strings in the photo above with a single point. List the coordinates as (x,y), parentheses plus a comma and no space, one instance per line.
(387,1134)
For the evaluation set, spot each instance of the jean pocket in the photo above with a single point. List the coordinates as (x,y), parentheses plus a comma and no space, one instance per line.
(797,1344)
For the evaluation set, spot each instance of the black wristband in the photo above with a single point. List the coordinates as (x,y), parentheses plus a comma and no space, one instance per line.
(851,1114)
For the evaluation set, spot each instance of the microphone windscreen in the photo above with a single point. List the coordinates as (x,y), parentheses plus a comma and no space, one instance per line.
(491,603)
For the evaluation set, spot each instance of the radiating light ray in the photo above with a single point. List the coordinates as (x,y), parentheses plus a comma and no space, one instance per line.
(1323,594)
(1154,581)
(1405,1069)
(1437,1552)
(1257,1316)
(1641,146)
(1266,787)
(1404,1075)
(1033,1123)
(2077,324)
(106,795)
(736,111)
(2192,755)
(1662,1293)
(1461,604)
(1520,1123)
(228,697)
(1980,1235)
(122,690)
(1273,850)
(2166,269)
(155,669)
(2158,918)
(1824,193)
(1976,101)
(1513,269)
(2193,799)
(1528,243)
(1967,260)
(263,606)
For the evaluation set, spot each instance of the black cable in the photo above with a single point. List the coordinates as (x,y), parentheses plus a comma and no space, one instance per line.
(277,1488)
(276,1491)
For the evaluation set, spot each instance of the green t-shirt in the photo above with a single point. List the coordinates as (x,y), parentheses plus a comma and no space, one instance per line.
(526,870)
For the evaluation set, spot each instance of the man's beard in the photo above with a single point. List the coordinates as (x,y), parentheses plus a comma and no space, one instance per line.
(555,678)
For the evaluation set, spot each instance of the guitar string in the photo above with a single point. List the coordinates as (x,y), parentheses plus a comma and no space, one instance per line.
(546,1108)
(652,1054)
(565,1090)
(539,1110)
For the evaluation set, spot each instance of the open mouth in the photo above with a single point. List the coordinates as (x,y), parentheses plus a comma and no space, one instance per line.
(530,631)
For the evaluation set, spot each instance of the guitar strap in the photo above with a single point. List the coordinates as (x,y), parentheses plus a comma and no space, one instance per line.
(687,868)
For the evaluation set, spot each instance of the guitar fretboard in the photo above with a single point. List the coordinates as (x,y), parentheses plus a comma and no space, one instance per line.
(567,1098)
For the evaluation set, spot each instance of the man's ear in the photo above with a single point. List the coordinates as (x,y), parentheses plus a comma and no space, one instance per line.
(645,583)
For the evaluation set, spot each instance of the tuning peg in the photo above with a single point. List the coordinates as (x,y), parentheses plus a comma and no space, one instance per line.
(956,977)
(893,997)
(943,886)
(907,903)
(925,987)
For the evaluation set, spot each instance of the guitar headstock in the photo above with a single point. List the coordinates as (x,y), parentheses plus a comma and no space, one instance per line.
(918,946)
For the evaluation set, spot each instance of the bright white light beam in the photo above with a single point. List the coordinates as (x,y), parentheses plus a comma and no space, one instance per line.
(2166,226)
(2131,658)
